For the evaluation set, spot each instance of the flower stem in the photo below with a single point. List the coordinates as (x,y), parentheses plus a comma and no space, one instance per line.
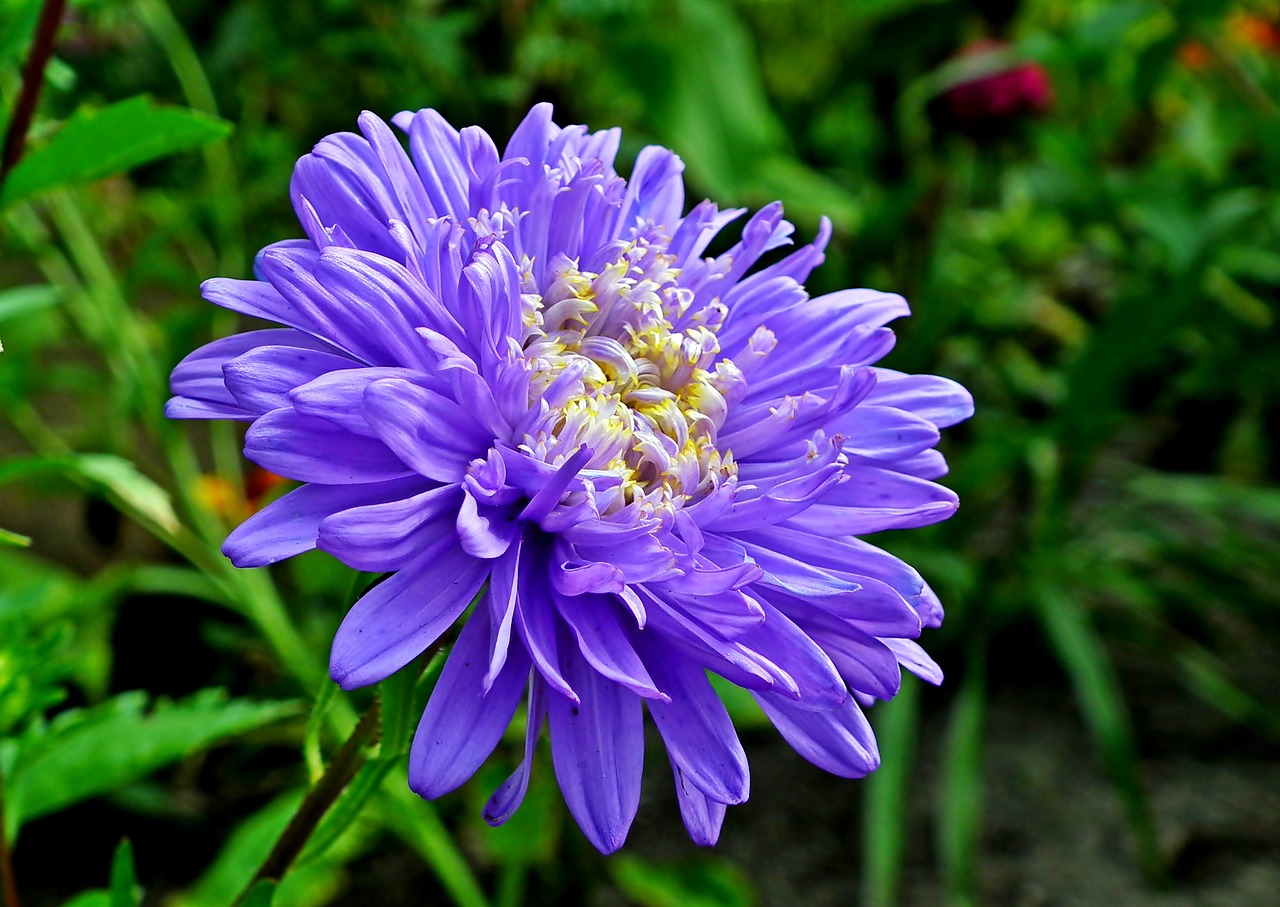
(32,81)
(318,800)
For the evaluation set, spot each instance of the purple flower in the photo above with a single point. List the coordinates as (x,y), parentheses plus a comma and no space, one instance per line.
(514,378)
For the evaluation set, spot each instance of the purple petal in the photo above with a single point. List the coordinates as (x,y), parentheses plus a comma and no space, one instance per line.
(387,535)
(597,749)
(261,379)
(914,659)
(503,590)
(427,431)
(839,741)
(291,524)
(463,721)
(702,816)
(400,617)
(510,794)
(794,651)
(605,642)
(255,298)
(939,400)
(698,732)
(535,620)
(315,450)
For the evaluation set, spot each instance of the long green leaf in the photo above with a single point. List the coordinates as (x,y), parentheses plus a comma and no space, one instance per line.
(960,796)
(94,144)
(705,883)
(1102,704)
(884,827)
(114,475)
(14,539)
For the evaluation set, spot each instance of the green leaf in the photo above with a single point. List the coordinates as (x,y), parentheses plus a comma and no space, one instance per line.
(89,752)
(96,898)
(124,877)
(343,814)
(16,27)
(705,883)
(312,885)
(134,492)
(884,819)
(14,540)
(1102,704)
(261,895)
(95,144)
(241,855)
(141,495)
(960,797)
(23,300)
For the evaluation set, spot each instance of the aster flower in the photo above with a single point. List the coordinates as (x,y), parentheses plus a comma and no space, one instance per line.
(514,377)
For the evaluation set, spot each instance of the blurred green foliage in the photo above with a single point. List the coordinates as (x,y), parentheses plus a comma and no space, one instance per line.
(1101,268)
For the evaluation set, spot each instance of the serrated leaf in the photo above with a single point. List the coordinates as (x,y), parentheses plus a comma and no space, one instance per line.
(97,143)
(89,752)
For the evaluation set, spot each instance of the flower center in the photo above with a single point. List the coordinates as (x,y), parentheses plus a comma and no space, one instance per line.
(620,364)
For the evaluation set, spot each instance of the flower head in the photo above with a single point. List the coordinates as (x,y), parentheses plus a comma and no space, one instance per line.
(993,90)
(516,378)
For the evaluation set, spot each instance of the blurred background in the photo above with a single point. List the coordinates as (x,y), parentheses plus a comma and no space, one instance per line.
(1078,197)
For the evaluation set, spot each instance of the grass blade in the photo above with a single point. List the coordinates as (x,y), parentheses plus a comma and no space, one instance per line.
(885,814)
(960,800)
(1102,705)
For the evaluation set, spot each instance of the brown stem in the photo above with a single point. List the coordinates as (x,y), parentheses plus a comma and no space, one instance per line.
(8,887)
(318,800)
(32,81)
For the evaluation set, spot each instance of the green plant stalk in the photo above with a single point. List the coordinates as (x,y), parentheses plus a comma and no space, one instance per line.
(1102,705)
(885,816)
(157,16)
(109,322)
(960,802)
(511,884)
(326,791)
(417,823)
(8,885)
(15,138)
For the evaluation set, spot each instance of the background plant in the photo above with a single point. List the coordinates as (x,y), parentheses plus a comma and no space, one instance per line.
(1101,271)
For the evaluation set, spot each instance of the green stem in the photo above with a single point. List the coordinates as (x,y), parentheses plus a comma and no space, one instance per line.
(158,18)
(15,138)
(511,879)
(318,800)
(8,887)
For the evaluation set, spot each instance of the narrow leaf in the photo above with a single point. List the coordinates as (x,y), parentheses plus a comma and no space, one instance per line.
(1102,705)
(124,877)
(884,819)
(960,797)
